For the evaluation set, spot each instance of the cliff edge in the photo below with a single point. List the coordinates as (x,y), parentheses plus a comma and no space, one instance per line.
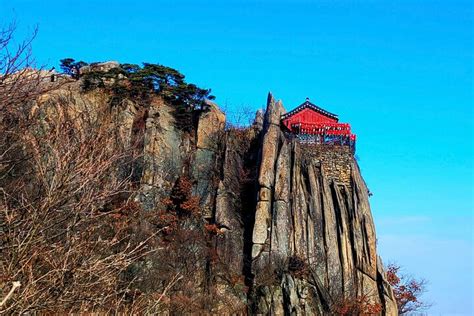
(313,246)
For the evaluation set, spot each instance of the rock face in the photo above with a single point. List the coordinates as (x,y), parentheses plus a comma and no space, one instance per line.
(294,220)
(209,136)
(310,205)
(104,67)
(313,206)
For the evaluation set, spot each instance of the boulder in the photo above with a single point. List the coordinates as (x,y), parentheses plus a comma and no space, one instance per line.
(100,67)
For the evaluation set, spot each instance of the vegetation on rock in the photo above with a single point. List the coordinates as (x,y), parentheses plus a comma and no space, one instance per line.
(130,81)
(355,306)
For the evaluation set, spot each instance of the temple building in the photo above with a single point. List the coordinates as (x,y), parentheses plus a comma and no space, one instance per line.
(309,123)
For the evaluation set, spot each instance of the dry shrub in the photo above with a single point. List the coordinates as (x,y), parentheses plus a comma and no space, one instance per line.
(19,82)
(242,138)
(179,207)
(70,220)
(213,229)
(182,201)
(298,267)
(185,256)
(351,302)
(359,305)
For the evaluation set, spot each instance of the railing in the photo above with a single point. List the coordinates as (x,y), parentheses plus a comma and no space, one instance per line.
(321,128)
(324,133)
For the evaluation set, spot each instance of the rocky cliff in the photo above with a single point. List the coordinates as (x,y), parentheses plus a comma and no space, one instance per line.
(290,224)
(310,225)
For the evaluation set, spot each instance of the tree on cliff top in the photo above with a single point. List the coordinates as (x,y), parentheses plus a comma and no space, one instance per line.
(71,67)
(130,81)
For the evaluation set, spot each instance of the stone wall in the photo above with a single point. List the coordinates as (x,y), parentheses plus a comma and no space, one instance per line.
(334,160)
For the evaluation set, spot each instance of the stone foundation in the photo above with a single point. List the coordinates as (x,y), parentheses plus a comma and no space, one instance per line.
(334,160)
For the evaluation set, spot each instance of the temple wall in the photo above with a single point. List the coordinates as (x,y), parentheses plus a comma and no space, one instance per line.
(336,161)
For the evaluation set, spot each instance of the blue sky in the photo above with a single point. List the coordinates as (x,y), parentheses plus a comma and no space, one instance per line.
(399,71)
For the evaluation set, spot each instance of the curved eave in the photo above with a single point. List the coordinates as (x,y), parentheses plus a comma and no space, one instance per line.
(312,106)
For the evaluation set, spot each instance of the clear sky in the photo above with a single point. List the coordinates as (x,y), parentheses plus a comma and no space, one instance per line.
(399,71)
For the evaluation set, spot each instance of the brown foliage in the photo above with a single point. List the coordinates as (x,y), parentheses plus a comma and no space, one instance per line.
(181,200)
(359,305)
(407,290)
(180,206)
(213,229)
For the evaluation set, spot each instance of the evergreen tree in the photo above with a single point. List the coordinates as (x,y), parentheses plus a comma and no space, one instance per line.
(70,67)
(130,81)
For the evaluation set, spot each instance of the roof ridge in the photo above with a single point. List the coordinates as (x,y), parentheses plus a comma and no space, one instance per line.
(313,106)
